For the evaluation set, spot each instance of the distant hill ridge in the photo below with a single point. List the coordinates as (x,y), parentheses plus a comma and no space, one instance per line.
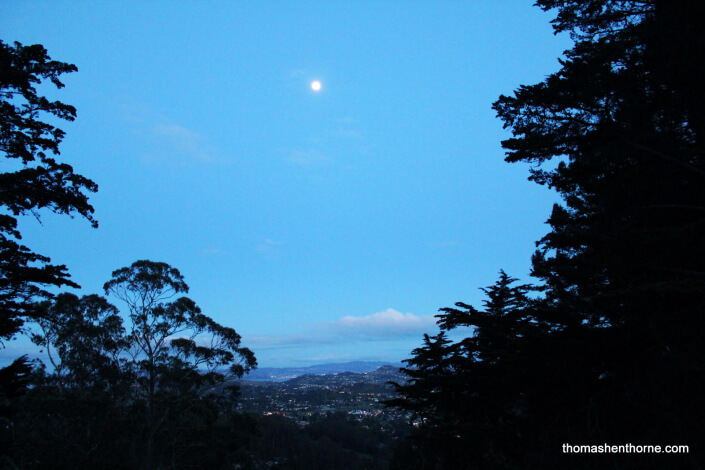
(381,376)
(280,374)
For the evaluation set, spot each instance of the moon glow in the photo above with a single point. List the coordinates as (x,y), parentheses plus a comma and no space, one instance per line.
(316,85)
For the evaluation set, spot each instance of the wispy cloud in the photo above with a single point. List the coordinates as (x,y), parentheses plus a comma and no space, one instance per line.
(347,120)
(183,141)
(294,340)
(389,324)
(347,127)
(296,73)
(351,133)
(269,246)
(214,251)
(307,157)
(166,143)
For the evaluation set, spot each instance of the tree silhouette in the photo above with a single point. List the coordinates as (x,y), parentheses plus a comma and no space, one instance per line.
(87,337)
(623,263)
(32,179)
(611,351)
(35,180)
(149,392)
(466,396)
(176,351)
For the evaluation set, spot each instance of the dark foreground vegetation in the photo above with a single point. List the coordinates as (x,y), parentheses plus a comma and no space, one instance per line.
(329,441)
(606,347)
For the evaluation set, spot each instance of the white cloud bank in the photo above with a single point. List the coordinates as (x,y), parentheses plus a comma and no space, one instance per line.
(388,323)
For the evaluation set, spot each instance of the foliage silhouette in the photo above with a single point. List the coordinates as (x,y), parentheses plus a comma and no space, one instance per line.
(611,350)
(159,381)
(163,343)
(464,406)
(332,441)
(83,339)
(39,181)
(164,335)
(33,180)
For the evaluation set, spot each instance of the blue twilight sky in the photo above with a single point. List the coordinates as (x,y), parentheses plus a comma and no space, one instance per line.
(323,226)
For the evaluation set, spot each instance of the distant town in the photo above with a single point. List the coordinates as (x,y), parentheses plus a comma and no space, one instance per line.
(359,394)
(323,416)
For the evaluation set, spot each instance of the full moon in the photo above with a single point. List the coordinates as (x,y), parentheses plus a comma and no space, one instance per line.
(316,85)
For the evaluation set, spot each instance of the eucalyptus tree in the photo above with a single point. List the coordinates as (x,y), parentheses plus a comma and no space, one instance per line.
(142,388)
(83,339)
(175,351)
(77,411)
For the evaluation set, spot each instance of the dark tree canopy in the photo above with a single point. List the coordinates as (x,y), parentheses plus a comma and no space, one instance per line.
(142,390)
(83,339)
(176,352)
(460,393)
(156,375)
(611,351)
(174,334)
(35,179)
